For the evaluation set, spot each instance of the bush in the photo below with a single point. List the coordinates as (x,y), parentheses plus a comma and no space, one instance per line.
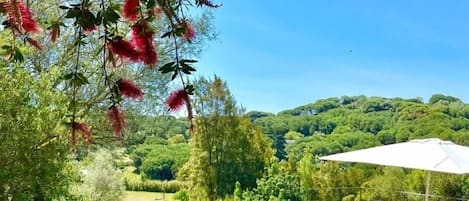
(101,180)
(181,195)
(279,184)
(177,139)
(134,182)
(161,162)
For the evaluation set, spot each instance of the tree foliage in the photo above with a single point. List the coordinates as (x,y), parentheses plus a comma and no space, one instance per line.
(33,152)
(278,184)
(226,147)
(101,180)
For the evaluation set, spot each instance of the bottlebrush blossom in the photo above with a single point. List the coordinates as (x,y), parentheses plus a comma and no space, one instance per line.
(177,99)
(54,33)
(89,28)
(142,38)
(124,49)
(158,11)
(29,24)
(20,16)
(85,131)
(34,43)
(189,33)
(117,121)
(129,89)
(130,9)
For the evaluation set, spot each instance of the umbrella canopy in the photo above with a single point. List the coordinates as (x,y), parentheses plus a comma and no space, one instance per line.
(433,155)
(426,154)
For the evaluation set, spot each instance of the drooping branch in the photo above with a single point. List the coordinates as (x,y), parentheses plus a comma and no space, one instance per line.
(101,22)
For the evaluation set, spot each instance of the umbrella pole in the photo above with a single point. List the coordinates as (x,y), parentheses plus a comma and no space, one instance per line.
(427,186)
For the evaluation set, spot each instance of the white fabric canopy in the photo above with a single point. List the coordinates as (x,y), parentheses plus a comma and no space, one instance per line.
(427,154)
(433,155)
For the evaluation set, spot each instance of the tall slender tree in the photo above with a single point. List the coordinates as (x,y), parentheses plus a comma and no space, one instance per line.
(226,147)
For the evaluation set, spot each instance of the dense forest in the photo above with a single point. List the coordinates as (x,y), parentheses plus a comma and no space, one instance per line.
(341,124)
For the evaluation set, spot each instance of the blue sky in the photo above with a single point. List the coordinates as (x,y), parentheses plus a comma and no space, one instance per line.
(278,54)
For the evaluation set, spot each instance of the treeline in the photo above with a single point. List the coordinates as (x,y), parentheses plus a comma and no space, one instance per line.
(336,125)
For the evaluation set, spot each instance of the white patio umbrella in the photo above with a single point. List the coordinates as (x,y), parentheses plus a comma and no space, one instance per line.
(432,155)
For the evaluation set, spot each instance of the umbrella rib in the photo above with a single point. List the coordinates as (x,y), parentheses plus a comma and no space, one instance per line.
(442,161)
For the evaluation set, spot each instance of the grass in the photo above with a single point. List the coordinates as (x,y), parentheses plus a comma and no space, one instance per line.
(146,196)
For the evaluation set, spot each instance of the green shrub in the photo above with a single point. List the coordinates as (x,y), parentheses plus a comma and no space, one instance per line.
(177,139)
(181,195)
(134,182)
(160,162)
(156,140)
(101,180)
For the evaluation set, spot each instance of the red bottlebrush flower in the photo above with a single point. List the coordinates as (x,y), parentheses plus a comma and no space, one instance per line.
(14,14)
(28,22)
(85,131)
(177,99)
(90,28)
(116,118)
(148,53)
(53,35)
(124,49)
(158,11)
(189,33)
(142,38)
(54,32)
(34,43)
(130,9)
(20,16)
(128,89)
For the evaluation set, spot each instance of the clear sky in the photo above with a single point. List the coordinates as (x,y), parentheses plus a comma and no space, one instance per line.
(279,54)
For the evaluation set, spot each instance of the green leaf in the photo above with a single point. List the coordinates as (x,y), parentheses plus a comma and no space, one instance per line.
(151,4)
(167,34)
(179,31)
(188,61)
(190,89)
(168,67)
(186,67)
(186,71)
(18,56)
(67,76)
(6,47)
(110,16)
(174,75)
(79,79)
(82,78)
(73,13)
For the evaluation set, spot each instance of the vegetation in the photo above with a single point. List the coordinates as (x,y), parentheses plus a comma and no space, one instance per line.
(33,154)
(101,180)
(146,196)
(343,124)
(226,147)
(64,95)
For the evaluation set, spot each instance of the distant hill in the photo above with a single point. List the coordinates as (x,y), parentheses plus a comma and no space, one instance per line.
(339,124)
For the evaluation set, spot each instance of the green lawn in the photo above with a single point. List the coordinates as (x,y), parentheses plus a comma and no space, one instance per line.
(146,196)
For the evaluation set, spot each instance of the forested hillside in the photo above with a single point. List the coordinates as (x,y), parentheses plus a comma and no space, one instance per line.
(341,124)
(334,125)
